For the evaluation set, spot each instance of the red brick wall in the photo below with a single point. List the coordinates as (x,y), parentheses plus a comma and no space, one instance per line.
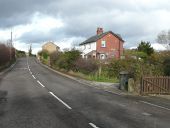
(113,46)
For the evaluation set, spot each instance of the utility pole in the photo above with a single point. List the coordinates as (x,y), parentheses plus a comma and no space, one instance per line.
(10,47)
(30,50)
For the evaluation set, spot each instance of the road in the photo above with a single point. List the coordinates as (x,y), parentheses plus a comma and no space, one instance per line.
(32,96)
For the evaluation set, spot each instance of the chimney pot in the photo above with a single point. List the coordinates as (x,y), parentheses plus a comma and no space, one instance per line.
(99,31)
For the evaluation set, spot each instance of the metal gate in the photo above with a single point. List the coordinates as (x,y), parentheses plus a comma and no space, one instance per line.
(155,85)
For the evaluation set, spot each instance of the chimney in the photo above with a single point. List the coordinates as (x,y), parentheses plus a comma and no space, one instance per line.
(99,31)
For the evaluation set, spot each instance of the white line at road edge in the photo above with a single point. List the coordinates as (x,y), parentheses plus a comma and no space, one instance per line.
(60,100)
(33,76)
(93,125)
(155,105)
(40,83)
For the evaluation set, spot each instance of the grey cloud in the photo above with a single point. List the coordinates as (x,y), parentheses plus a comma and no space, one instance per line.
(130,18)
(39,37)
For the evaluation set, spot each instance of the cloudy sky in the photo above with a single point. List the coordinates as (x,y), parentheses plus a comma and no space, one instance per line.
(68,22)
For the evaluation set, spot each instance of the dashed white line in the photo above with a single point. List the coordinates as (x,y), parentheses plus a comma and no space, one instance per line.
(155,105)
(33,76)
(93,125)
(60,100)
(30,72)
(40,83)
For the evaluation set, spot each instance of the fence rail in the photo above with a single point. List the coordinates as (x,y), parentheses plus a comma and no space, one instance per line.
(155,85)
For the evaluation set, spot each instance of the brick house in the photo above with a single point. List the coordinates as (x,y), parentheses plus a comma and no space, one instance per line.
(50,47)
(103,45)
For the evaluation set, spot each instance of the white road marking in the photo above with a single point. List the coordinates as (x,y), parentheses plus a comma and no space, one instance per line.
(30,72)
(119,94)
(146,114)
(155,105)
(93,125)
(33,76)
(60,100)
(40,83)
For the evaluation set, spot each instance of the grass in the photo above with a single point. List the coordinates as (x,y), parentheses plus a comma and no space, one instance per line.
(90,77)
(84,76)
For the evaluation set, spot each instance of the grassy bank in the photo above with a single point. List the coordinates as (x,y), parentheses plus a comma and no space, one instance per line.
(84,76)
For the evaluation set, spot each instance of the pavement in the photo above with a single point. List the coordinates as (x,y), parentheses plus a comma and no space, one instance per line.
(33,96)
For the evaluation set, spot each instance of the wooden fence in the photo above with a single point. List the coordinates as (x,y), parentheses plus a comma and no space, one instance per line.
(155,85)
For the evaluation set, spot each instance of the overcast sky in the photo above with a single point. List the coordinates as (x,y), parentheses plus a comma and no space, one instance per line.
(71,21)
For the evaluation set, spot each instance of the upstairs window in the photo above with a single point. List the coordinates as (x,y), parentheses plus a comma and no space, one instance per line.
(103,44)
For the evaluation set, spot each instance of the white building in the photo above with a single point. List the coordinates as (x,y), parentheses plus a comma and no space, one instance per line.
(89,48)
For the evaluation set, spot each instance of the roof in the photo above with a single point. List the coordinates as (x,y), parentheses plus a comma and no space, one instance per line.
(97,37)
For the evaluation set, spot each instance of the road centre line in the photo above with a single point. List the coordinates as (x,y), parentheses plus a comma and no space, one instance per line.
(33,76)
(93,125)
(155,105)
(60,100)
(40,83)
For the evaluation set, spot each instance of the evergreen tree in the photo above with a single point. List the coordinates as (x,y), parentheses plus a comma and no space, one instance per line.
(146,48)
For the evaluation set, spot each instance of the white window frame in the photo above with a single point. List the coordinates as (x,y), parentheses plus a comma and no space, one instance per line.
(102,56)
(103,44)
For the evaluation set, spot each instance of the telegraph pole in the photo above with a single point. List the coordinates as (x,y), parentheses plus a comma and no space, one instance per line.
(11,46)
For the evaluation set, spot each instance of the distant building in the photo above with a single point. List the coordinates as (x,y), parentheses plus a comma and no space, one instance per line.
(103,45)
(50,47)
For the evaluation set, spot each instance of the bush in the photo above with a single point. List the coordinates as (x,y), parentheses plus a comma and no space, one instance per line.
(67,60)
(86,66)
(136,68)
(7,54)
(20,53)
(167,66)
(53,57)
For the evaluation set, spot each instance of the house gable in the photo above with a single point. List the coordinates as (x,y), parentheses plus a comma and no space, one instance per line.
(110,45)
(50,47)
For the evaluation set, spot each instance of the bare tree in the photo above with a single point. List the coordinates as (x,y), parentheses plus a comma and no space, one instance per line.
(164,39)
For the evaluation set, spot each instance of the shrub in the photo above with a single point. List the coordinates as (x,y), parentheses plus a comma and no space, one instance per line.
(167,66)
(136,68)
(4,54)
(67,60)
(7,56)
(20,53)
(53,57)
(86,66)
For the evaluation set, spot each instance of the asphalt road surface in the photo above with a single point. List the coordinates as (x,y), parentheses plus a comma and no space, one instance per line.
(31,96)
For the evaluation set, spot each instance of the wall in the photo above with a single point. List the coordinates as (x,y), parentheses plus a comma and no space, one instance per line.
(114,47)
(86,48)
